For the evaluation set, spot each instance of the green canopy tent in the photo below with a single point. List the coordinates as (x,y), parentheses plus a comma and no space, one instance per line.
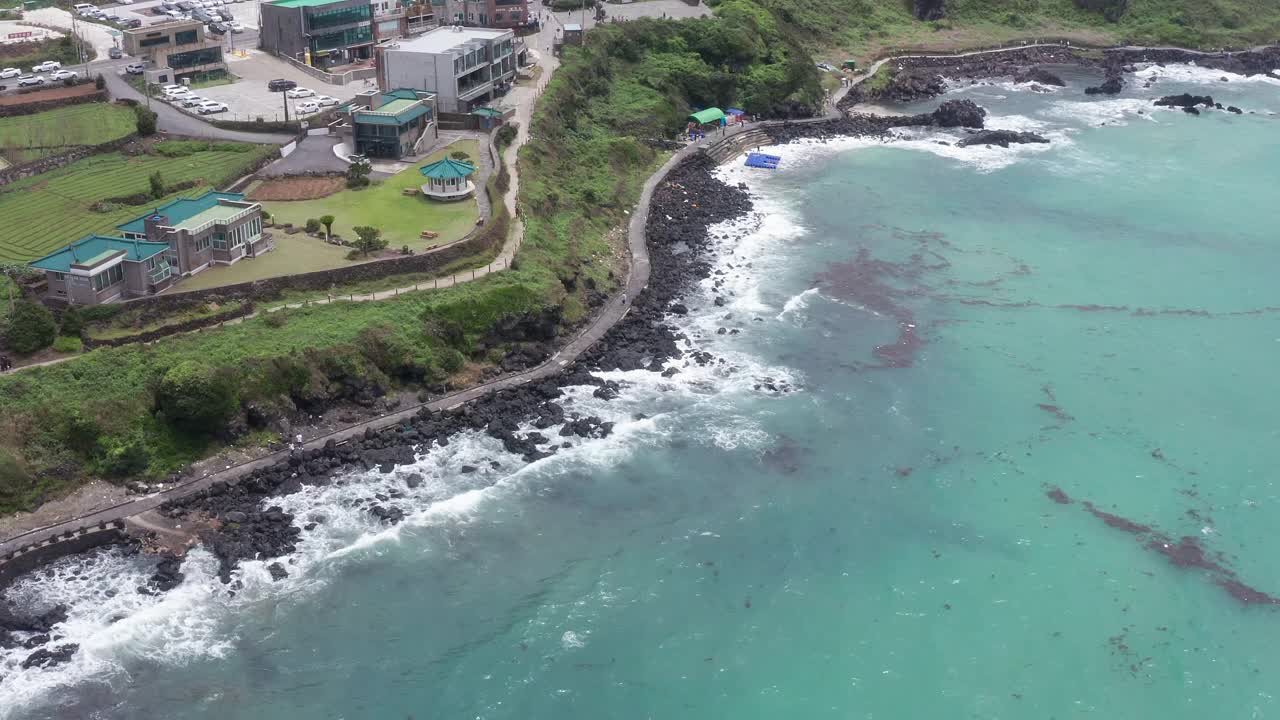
(710,116)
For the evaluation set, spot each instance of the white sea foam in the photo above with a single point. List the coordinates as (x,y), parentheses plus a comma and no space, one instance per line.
(797,304)
(1192,73)
(1094,113)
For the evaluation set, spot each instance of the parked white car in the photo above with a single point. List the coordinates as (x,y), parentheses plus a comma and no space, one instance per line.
(175,14)
(190,101)
(63,75)
(135,68)
(300,92)
(236,26)
(46,66)
(306,108)
(211,106)
(26,80)
(326,101)
(7,73)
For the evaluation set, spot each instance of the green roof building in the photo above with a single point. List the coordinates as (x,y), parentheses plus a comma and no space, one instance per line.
(447,179)
(394,124)
(181,237)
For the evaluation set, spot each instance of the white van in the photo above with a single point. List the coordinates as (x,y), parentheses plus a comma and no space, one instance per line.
(83,6)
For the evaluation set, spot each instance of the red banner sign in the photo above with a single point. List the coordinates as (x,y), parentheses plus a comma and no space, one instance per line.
(15,36)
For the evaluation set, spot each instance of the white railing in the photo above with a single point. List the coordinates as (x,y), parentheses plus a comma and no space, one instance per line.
(224,221)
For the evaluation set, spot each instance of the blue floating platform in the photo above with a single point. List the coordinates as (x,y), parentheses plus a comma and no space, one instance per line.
(761,160)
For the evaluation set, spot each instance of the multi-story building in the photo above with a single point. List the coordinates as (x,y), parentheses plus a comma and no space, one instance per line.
(317,32)
(179,238)
(393,124)
(463,67)
(97,269)
(174,49)
(483,13)
(394,19)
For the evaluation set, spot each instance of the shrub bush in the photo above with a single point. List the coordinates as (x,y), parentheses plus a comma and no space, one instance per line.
(459,155)
(145,120)
(123,458)
(313,226)
(31,327)
(72,322)
(196,398)
(67,344)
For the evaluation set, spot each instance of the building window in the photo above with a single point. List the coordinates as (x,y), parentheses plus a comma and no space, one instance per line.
(186,37)
(219,241)
(58,276)
(108,277)
(202,244)
(152,42)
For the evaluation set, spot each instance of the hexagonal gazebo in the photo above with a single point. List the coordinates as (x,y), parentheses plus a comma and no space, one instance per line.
(447,179)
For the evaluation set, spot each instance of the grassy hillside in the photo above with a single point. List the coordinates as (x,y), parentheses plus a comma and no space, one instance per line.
(27,137)
(864,28)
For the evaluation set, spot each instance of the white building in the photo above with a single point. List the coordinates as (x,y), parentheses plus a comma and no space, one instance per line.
(463,66)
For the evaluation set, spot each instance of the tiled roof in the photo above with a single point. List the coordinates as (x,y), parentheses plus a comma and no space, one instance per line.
(92,247)
(448,168)
(180,210)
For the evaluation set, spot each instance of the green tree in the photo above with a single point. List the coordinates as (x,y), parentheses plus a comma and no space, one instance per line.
(327,222)
(31,327)
(157,185)
(358,174)
(72,322)
(369,239)
(196,398)
(145,120)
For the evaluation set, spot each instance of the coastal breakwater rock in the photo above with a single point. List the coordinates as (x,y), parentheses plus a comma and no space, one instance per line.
(1248,63)
(921,78)
(1003,138)
(1186,100)
(1040,76)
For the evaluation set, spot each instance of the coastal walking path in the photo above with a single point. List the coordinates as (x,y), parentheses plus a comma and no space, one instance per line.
(613,311)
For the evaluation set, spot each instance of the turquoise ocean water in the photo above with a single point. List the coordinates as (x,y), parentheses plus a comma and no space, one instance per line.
(1098,315)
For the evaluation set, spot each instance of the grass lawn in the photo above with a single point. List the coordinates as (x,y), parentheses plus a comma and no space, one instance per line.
(214,79)
(293,254)
(401,218)
(27,137)
(45,212)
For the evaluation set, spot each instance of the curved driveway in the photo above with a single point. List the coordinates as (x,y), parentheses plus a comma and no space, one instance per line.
(171,120)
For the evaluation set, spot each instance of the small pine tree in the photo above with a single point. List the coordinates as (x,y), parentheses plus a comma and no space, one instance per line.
(157,185)
(327,222)
(145,121)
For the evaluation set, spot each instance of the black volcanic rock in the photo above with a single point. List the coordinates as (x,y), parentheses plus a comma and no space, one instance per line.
(1110,86)
(1185,100)
(930,9)
(1003,138)
(958,113)
(1039,75)
(43,658)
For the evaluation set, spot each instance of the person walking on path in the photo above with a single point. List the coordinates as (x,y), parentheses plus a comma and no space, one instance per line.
(5,363)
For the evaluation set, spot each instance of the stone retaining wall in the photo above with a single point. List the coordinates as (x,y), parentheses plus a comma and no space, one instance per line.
(45,550)
(53,162)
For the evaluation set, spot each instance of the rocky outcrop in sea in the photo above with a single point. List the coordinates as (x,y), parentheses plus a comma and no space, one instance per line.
(1003,138)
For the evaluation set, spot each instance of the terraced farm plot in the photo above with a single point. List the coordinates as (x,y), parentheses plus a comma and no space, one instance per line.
(42,213)
(28,137)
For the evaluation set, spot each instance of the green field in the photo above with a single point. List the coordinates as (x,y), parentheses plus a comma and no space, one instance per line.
(27,137)
(293,254)
(400,217)
(57,212)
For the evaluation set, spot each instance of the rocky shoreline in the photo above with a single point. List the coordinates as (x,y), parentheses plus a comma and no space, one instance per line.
(921,78)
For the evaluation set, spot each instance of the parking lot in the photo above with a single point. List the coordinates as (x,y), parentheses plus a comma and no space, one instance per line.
(249,98)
